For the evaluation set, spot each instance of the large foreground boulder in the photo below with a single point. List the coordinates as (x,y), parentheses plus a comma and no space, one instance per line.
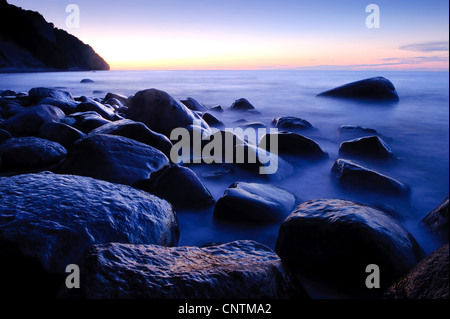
(354,176)
(427,280)
(178,185)
(161,112)
(23,153)
(112,158)
(237,270)
(61,133)
(38,93)
(337,240)
(51,219)
(260,203)
(376,89)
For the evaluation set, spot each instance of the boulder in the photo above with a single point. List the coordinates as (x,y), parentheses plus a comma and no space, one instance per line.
(242,105)
(356,129)
(369,146)
(436,222)
(22,153)
(376,89)
(293,144)
(194,105)
(27,123)
(178,185)
(429,279)
(237,270)
(91,105)
(4,135)
(337,239)
(61,133)
(350,174)
(161,112)
(260,203)
(119,97)
(68,107)
(48,220)
(36,94)
(11,108)
(112,158)
(291,123)
(138,132)
(87,81)
(86,122)
(213,121)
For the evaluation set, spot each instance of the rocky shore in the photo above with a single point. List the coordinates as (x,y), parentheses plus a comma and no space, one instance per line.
(96,182)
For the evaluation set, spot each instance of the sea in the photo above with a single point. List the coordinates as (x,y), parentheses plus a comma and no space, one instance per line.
(416,129)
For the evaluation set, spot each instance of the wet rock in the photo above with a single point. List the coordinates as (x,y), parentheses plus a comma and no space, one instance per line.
(427,280)
(356,129)
(213,121)
(293,144)
(27,123)
(369,146)
(216,108)
(178,185)
(11,108)
(138,132)
(7,93)
(87,81)
(242,105)
(436,222)
(86,122)
(22,153)
(61,133)
(350,174)
(194,105)
(68,107)
(112,158)
(103,110)
(337,239)
(4,135)
(51,219)
(261,203)
(237,270)
(161,112)
(376,88)
(119,97)
(36,94)
(291,123)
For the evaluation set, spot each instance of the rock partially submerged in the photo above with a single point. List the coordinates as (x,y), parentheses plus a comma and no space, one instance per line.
(376,89)
(260,203)
(427,280)
(291,123)
(237,270)
(368,146)
(112,158)
(353,175)
(51,219)
(337,240)
(242,105)
(436,222)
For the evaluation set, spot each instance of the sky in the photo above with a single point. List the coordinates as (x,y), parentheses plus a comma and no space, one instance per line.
(257,34)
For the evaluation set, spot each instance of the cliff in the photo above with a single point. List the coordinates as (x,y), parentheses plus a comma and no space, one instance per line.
(29,43)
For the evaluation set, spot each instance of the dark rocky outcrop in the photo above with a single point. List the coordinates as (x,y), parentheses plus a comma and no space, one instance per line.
(112,158)
(48,220)
(67,106)
(178,185)
(237,270)
(260,203)
(337,240)
(369,146)
(161,112)
(352,175)
(91,105)
(29,43)
(194,105)
(38,93)
(376,89)
(293,144)
(427,280)
(86,122)
(213,121)
(138,132)
(436,222)
(61,133)
(291,123)
(27,123)
(22,153)
(242,105)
